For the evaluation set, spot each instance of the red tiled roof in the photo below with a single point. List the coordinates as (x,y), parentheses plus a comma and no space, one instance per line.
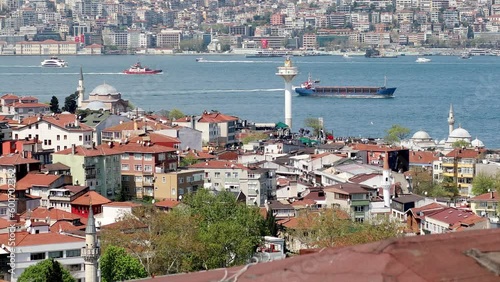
(199,155)
(4,223)
(16,159)
(155,138)
(465,153)
(216,118)
(138,148)
(35,179)
(59,120)
(167,204)
(29,105)
(426,210)
(52,213)
(9,96)
(375,148)
(65,226)
(4,197)
(100,150)
(441,257)
(486,197)
(363,177)
(91,197)
(31,98)
(26,239)
(348,188)
(423,157)
(217,164)
(453,216)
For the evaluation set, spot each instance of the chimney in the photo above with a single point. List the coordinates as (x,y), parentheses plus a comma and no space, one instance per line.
(136,127)
(77,122)
(491,195)
(73,149)
(193,125)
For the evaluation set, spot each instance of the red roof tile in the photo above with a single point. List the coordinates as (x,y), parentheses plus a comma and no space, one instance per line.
(465,153)
(35,179)
(16,159)
(9,96)
(59,120)
(155,138)
(454,216)
(91,197)
(29,105)
(100,150)
(363,177)
(26,239)
(486,197)
(440,257)
(129,125)
(423,157)
(167,204)
(348,188)
(375,148)
(138,148)
(41,213)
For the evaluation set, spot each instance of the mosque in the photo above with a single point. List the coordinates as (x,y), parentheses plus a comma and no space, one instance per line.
(103,97)
(421,140)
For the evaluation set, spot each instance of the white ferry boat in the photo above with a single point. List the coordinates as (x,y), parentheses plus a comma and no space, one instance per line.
(54,62)
(422,60)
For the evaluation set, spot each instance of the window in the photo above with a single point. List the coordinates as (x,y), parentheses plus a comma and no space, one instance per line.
(36,126)
(56,254)
(164,179)
(125,167)
(65,137)
(124,156)
(73,253)
(50,142)
(45,142)
(148,157)
(235,174)
(49,126)
(125,178)
(3,211)
(80,138)
(228,174)
(137,156)
(58,137)
(138,179)
(58,148)
(359,209)
(148,168)
(138,167)
(74,267)
(37,256)
(217,174)
(359,219)
(181,180)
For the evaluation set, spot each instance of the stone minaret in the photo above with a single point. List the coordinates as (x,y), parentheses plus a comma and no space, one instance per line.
(386,181)
(91,251)
(451,119)
(80,89)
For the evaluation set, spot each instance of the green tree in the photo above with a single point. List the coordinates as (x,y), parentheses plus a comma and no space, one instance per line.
(70,103)
(460,144)
(54,105)
(46,271)
(117,265)
(188,160)
(254,137)
(396,133)
(483,183)
(315,124)
(229,230)
(175,114)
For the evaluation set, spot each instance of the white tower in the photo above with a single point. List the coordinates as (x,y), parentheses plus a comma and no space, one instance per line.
(386,181)
(288,72)
(80,89)
(91,251)
(451,119)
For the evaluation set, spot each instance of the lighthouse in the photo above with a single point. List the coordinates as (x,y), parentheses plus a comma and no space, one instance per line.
(288,72)
(91,251)
(386,181)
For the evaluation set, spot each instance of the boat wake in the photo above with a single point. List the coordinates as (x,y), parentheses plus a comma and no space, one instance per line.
(19,66)
(236,61)
(61,73)
(215,91)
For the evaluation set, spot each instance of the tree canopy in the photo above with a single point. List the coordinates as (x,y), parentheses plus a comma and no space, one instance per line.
(315,124)
(175,114)
(117,265)
(70,103)
(54,105)
(46,271)
(396,133)
(483,183)
(207,231)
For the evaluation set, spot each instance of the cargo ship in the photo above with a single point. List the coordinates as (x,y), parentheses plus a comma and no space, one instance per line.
(309,88)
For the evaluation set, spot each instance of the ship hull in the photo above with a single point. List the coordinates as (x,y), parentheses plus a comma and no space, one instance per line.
(142,72)
(347,92)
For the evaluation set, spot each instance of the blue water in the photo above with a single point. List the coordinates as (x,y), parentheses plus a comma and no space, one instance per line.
(249,89)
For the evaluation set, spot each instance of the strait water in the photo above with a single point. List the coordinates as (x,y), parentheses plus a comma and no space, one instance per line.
(249,89)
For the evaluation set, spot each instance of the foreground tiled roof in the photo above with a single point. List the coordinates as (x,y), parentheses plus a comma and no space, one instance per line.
(442,257)
(91,197)
(16,159)
(42,213)
(26,239)
(486,197)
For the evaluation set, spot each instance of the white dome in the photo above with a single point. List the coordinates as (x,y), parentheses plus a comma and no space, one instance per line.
(96,106)
(442,142)
(460,133)
(477,143)
(421,135)
(104,89)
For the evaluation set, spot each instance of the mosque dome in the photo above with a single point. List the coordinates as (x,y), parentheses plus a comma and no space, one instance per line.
(442,142)
(104,89)
(460,133)
(421,135)
(477,143)
(96,106)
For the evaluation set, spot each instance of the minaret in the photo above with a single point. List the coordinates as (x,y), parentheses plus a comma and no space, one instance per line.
(288,72)
(80,89)
(451,119)
(386,181)
(91,251)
